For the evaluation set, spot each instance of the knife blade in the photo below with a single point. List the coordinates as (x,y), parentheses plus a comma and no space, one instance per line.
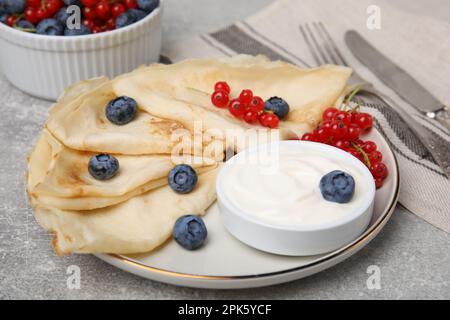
(397,78)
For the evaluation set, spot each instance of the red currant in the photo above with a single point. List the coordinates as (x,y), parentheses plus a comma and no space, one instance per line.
(130,4)
(111,24)
(222,86)
(246,97)
(33,4)
(89,13)
(378,182)
(364,121)
(89,23)
(53,6)
(256,104)
(89,3)
(343,116)
(369,146)
(326,125)
(263,118)
(308,137)
(220,99)
(41,14)
(342,144)
(97,29)
(236,108)
(321,134)
(117,9)
(379,170)
(11,20)
(375,156)
(359,142)
(31,15)
(354,131)
(103,9)
(329,113)
(338,130)
(251,117)
(272,121)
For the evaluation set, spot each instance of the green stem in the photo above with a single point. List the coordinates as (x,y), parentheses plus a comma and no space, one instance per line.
(364,154)
(352,94)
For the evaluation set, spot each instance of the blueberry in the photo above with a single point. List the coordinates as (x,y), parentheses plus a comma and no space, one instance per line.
(103,166)
(83,30)
(12,6)
(182,178)
(62,16)
(148,5)
(73,2)
(337,186)
(125,19)
(121,110)
(50,27)
(278,106)
(3,17)
(190,232)
(138,14)
(24,24)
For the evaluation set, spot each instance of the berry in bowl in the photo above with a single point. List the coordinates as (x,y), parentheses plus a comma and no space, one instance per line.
(61,42)
(295,198)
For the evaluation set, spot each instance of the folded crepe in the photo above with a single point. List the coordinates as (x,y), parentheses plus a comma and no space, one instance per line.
(137,225)
(181,92)
(135,211)
(59,177)
(81,124)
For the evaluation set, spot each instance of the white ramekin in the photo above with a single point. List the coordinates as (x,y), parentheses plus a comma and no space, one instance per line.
(44,65)
(296,240)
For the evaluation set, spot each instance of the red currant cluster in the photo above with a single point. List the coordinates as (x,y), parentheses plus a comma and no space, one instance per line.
(248,107)
(343,129)
(100,16)
(36,10)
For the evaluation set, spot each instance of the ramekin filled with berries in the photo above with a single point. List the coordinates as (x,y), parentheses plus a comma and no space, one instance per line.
(47,45)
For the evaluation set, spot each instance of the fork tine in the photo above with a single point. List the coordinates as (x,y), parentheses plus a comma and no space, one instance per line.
(310,46)
(331,58)
(318,48)
(333,44)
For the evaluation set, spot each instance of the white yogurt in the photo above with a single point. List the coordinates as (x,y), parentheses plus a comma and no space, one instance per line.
(285,190)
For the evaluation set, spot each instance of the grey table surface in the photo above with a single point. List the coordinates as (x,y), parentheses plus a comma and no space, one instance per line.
(413,256)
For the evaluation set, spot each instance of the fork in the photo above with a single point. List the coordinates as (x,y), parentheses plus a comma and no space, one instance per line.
(325,51)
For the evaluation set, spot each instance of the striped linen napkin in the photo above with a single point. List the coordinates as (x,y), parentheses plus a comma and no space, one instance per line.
(276,33)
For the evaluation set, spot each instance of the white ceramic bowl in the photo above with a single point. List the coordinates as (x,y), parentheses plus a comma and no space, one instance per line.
(297,240)
(44,65)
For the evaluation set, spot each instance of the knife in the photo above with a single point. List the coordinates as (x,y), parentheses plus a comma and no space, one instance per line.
(397,79)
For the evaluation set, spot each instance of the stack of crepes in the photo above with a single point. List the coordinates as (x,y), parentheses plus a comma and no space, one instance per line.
(135,211)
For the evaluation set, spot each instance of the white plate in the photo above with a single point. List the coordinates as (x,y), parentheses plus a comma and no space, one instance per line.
(225,263)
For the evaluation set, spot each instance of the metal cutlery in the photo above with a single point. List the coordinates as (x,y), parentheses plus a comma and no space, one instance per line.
(325,51)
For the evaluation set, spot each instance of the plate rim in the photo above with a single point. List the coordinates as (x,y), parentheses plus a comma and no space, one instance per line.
(367,236)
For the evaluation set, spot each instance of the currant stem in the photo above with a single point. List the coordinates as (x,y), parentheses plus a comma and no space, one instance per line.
(364,154)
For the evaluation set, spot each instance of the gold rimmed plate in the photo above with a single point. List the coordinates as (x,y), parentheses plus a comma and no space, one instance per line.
(226,263)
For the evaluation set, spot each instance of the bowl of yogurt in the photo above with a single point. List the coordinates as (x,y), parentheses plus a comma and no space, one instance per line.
(270,198)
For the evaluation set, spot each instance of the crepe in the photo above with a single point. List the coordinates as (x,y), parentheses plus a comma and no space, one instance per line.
(59,177)
(81,124)
(135,211)
(181,92)
(137,225)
